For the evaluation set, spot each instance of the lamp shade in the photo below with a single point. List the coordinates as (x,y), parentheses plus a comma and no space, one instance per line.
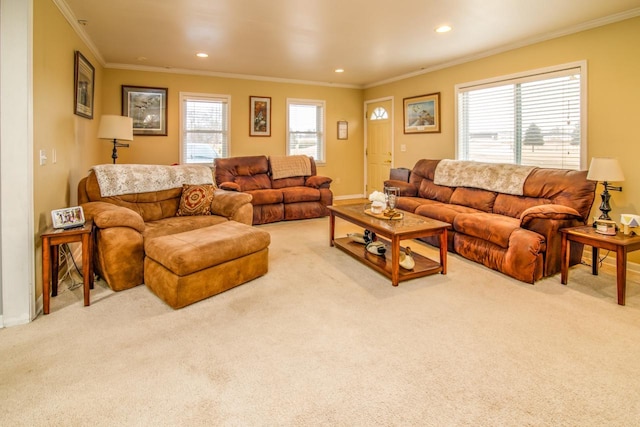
(116,127)
(605,169)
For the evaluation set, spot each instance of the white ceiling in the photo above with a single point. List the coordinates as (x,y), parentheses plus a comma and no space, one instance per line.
(305,40)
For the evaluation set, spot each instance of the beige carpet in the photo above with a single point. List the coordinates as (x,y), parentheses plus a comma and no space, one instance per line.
(323,340)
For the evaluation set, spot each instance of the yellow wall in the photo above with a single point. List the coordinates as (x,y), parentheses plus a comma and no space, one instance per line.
(612,53)
(55,126)
(344,157)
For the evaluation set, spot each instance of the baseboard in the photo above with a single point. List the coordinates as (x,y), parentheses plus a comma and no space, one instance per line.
(347,197)
(609,263)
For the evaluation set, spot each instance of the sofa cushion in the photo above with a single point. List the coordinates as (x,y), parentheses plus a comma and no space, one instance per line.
(473,197)
(253,182)
(195,200)
(293,181)
(300,194)
(443,211)
(487,226)
(265,197)
(429,190)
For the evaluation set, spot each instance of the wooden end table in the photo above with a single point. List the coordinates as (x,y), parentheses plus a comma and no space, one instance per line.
(51,239)
(620,243)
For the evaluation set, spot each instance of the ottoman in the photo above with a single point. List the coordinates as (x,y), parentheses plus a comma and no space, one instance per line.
(187,267)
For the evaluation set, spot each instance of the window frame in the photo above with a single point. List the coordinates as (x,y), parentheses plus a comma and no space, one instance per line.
(186,96)
(528,76)
(323,134)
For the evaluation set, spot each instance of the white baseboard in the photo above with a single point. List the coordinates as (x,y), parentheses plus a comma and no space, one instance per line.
(609,263)
(351,196)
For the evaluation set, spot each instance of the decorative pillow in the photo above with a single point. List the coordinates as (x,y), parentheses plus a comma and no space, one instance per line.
(196,200)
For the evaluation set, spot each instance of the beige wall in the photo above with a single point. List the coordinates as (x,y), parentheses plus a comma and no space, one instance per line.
(344,157)
(612,53)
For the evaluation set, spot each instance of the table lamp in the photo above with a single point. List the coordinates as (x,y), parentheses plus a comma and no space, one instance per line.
(605,169)
(114,128)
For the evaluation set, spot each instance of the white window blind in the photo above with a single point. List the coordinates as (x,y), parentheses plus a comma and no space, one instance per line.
(204,127)
(534,119)
(305,124)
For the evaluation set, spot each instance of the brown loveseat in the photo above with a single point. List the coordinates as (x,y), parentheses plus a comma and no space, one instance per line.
(125,222)
(506,217)
(282,187)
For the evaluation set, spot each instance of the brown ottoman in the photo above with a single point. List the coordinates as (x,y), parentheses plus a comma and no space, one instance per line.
(187,267)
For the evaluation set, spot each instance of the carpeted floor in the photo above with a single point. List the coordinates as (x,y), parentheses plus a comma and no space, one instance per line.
(323,340)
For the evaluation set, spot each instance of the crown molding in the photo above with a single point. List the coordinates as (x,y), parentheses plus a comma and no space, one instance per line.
(73,21)
(611,19)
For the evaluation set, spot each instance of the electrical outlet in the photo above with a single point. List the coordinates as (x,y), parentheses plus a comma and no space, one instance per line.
(403,147)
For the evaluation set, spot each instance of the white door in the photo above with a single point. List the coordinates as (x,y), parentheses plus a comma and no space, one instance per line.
(379,146)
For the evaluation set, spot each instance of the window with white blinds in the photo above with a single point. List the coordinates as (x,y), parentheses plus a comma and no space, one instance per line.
(534,119)
(305,124)
(204,127)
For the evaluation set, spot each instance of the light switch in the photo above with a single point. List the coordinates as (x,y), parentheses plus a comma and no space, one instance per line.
(43,157)
(403,147)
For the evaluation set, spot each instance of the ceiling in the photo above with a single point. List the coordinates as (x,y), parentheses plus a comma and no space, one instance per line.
(374,41)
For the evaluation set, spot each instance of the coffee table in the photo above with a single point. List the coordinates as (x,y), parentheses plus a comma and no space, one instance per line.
(411,226)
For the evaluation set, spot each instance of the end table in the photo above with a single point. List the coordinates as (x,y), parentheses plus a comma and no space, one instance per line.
(51,239)
(620,243)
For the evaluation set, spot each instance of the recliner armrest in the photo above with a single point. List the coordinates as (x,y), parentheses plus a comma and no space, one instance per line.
(107,215)
(230,186)
(316,181)
(226,203)
(406,189)
(551,211)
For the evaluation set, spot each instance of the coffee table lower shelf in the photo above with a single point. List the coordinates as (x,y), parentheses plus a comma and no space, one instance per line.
(382,264)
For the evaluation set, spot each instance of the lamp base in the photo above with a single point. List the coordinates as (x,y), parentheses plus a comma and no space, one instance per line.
(116,145)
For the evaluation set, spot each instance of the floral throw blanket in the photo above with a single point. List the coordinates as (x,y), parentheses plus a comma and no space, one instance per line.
(501,178)
(288,166)
(115,180)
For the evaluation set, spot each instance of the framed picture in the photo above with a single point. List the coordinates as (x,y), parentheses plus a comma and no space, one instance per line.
(83,76)
(68,217)
(343,129)
(147,106)
(422,114)
(260,112)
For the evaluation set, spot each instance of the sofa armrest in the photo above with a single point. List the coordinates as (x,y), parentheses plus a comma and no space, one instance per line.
(230,186)
(316,181)
(556,212)
(406,188)
(230,204)
(107,215)
(547,220)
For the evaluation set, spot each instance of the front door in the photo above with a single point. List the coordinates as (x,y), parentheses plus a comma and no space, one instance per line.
(379,146)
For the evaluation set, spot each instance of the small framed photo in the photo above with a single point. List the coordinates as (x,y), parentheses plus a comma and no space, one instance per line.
(68,217)
(83,76)
(260,116)
(147,106)
(422,114)
(343,129)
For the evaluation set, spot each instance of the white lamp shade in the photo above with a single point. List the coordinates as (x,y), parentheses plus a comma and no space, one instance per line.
(116,127)
(605,169)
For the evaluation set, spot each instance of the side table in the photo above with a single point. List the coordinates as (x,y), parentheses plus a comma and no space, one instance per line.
(51,239)
(620,243)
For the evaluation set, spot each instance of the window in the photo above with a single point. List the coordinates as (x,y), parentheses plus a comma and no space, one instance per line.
(534,119)
(305,124)
(379,113)
(204,127)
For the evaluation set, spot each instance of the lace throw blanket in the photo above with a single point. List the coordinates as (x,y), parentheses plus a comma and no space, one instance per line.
(501,178)
(115,180)
(288,166)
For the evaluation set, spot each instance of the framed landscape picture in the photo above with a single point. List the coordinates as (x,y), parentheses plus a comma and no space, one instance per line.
(147,106)
(84,75)
(260,116)
(422,114)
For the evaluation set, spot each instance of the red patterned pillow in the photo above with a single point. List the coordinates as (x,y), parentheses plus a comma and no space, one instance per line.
(195,200)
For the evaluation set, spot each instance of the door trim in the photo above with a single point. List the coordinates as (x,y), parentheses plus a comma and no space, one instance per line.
(366,136)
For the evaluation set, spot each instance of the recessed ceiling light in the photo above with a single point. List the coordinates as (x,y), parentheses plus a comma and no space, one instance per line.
(443,29)
(202,55)
(339,70)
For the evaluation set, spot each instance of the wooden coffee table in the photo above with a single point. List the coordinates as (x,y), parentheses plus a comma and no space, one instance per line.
(411,226)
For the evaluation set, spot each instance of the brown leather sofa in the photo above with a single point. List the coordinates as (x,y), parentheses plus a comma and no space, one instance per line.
(275,199)
(514,234)
(123,223)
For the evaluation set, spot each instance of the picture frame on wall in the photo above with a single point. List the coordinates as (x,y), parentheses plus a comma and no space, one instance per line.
(260,116)
(422,113)
(84,77)
(147,107)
